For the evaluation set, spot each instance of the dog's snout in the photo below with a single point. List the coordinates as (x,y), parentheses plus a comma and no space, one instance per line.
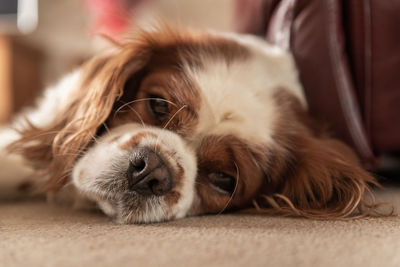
(147,173)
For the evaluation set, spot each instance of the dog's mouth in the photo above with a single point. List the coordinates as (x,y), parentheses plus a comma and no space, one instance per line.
(128,202)
(140,176)
(130,207)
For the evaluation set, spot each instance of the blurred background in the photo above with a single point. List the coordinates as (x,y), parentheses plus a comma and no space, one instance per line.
(40,40)
(356,90)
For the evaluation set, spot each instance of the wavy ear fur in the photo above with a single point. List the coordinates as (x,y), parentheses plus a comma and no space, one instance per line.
(311,174)
(52,150)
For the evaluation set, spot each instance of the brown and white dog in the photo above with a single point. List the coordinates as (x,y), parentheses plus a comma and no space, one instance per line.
(180,123)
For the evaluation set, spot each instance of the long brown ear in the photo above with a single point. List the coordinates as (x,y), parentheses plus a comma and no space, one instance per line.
(313,175)
(52,150)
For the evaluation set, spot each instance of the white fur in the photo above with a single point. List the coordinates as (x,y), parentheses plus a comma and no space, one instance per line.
(99,160)
(237,98)
(13,169)
(274,65)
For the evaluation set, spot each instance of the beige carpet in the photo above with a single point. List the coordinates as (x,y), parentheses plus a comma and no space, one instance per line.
(33,233)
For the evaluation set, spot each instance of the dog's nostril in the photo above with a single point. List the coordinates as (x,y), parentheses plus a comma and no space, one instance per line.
(142,162)
(160,181)
(153,185)
(138,164)
(147,173)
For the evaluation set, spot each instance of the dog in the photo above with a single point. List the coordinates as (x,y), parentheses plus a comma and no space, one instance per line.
(177,123)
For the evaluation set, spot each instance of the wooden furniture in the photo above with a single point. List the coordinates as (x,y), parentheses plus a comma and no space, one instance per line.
(20,78)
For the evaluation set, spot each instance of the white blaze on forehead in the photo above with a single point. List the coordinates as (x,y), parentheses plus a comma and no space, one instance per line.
(238,98)
(276,65)
(230,103)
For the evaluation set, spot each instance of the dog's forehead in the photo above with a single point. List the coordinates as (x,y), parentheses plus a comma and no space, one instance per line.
(229,82)
(237,96)
(231,103)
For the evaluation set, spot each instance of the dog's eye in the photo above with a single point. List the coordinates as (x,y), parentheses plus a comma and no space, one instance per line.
(159,107)
(222,182)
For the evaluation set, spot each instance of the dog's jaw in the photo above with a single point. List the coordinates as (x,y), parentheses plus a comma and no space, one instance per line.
(100,175)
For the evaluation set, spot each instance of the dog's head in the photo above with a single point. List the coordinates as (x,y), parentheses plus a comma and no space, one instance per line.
(184,123)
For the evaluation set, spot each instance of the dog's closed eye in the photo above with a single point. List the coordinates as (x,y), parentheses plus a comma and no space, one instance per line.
(222,182)
(158,107)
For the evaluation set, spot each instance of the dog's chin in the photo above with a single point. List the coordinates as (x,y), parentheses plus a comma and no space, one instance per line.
(110,191)
(111,194)
(130,207)
(103,175)
(133,208)
(124,206)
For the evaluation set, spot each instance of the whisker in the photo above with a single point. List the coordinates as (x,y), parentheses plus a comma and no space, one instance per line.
(234,190)
(173,116)
(196,182)
(143,99)
(168,122)
(94,138)
(106,127)
(109,39)
(137,114)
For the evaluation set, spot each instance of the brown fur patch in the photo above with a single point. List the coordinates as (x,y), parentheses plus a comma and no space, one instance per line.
(114,139)
(172,198)
(135,140)
(233,156)
(312,174)
(182,98)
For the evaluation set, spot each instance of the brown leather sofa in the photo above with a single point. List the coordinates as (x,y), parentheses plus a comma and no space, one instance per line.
(348,55)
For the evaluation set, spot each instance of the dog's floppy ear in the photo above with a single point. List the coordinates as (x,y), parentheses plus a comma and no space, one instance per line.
(320,179)
(54,148)
(311,174)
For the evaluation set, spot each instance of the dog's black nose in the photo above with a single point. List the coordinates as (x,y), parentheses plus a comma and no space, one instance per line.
(147,173)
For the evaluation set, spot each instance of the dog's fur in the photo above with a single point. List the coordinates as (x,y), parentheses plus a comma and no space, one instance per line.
(236,110)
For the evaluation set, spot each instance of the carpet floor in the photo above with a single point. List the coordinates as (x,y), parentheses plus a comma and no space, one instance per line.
(33,233)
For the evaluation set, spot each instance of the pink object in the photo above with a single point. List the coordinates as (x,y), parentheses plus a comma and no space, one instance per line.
(111,17)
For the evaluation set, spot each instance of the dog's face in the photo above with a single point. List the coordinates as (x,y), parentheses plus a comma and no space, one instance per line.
(196,123)
(191,138)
